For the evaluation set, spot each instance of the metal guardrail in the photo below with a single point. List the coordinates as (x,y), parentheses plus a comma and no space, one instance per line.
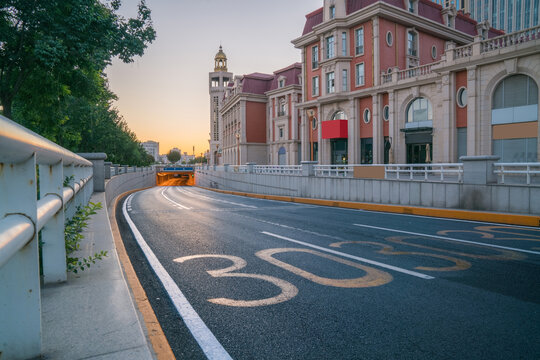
(24,154)
(450,172)
(334,170)
(514,173)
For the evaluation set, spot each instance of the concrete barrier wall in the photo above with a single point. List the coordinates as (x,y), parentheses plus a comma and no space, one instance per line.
(488,197)
(119,184)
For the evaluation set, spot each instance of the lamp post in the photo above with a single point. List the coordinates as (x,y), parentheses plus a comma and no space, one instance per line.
(237,148)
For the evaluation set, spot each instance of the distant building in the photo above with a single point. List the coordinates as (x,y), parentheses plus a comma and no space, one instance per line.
(152,147)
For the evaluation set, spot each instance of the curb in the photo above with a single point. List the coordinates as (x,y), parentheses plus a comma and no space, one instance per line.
(502,218)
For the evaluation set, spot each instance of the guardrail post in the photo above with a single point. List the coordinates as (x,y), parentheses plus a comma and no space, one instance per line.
(116,168)
(70,207)
(479,169)
(125,167)
(98,162)
(107,169)
(251,168)
(308,168)
(20,300)
(52,235)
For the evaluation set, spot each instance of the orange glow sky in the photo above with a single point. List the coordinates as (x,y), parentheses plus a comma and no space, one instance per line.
(163,95)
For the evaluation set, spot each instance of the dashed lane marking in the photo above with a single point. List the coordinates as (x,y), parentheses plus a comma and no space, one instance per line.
(450,239)
(357,258)
(204,337)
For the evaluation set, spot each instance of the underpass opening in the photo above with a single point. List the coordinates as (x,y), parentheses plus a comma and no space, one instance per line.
(175,177)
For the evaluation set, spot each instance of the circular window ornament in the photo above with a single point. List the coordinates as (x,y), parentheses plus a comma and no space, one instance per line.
(434,52)
(367,116)
(386,112)
(314,123)
(389,38)
(461,97)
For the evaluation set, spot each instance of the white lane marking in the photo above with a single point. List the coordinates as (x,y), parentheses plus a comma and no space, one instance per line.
(214,199)
(450,239)
(357,258)
(204,337)
(174,202)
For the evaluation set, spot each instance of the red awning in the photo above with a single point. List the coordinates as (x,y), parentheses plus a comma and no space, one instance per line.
(335,129)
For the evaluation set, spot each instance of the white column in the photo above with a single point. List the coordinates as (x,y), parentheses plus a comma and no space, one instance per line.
(473,116)
(353,141)
(376,119)
(52,235)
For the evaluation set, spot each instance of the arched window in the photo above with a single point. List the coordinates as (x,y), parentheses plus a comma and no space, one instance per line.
(515,102)
(339,115)
(419,113)
(515,99)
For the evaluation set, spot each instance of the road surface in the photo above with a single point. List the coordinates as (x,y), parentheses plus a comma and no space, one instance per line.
(258,279)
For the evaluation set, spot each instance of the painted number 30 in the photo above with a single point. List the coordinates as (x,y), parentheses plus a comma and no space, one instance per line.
(373,277)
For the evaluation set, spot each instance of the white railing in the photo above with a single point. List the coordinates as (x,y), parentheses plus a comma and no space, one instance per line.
(22,217)
(511,39)
(334,170)
(463,52)
(451,172)
(279,169)
(512,173)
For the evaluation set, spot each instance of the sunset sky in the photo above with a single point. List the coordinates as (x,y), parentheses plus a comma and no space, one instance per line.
(163,96)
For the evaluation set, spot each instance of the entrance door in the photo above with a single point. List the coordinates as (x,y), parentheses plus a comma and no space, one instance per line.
(418,153)
(339,151)
(282,156)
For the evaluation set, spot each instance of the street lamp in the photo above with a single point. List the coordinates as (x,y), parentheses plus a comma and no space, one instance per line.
(237,148)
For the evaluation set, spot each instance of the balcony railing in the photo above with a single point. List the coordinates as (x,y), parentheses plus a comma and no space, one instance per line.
(511,39)
(334,170)
(26,210)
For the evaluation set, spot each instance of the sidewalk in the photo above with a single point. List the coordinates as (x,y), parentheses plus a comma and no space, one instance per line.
(92,315)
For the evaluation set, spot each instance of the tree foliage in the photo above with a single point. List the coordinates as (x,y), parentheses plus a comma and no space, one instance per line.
(173,156)
(52,59)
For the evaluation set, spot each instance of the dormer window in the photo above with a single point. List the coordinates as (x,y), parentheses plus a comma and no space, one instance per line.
(281,83)
(412,6)
(332,12)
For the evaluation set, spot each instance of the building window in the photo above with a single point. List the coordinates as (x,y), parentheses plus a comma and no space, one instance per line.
(515,100)
(494,13)
(314,123)
(461,97)
(366,150)
(527,20)
(281,111)
(345,80)
(535,12)
(330,83)
(510,15)
(315,57)
(343,44)
(412,46)
(359,41)
(315,86)
(281,83)
(330,47)
(389,38)
(360,74)
(419,113)
(516,150)
(332,12)
(367,115)
(411,6)
(518,15)
(461,142)
(434,52)
(281,132)
(339,115)
(502,11)
(386,113)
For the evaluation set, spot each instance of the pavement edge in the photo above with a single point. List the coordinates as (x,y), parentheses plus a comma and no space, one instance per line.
(155,333)
(502,218)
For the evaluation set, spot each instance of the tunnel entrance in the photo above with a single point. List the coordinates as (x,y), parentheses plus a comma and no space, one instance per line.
(175,177)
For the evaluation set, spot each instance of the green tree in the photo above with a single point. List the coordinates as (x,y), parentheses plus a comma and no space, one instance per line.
(52,59)
(173,156)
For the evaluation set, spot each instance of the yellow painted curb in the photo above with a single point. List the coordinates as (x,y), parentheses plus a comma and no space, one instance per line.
(511,219)
(157,338)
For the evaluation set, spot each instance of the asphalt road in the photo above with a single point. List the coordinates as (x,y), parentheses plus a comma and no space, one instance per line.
(260,279)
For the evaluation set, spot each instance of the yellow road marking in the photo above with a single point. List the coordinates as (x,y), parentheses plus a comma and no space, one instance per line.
(372,278)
